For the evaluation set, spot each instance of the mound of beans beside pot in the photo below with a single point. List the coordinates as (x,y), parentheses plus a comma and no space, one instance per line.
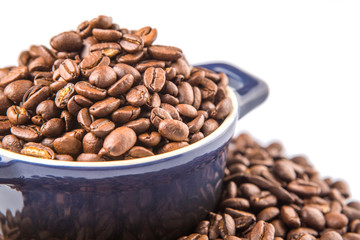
(107,93)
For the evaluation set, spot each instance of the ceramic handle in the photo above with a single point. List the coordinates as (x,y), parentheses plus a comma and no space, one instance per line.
(250,91)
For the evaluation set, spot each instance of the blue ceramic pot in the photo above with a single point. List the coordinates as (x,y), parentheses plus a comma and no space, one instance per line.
(159,197)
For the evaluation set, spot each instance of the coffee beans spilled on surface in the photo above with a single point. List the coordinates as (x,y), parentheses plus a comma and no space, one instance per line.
(107,93)
(267,195)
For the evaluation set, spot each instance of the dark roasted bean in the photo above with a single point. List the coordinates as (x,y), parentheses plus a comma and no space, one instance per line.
(104,107)
(125,114)
(69,70)
(12,143)
(107,35)
(103,77)
(84,118)
(64,157)
(158,114)
(5,125)
(102,127)
(138,152)
(47,109)
(89,91)
(88,157)
(210,125)
(147,34)
(118,142)
(17,115)
(262,231)
(29,133)
(53,128)
(91,143)
(138,96)
(131,43)
(15,90)
(165,53)
(35,95)
(172,147)
(154,79)
(67,145)
(150,139)
(67,42)
(139,125)
(173,129)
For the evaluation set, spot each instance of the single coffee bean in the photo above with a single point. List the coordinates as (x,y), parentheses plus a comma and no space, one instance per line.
(76,133)
(182,67)
(336,220)
(90,91)
(68,119)
(29,133)
(170,88)
(130,58)
(303,188)
(197,98)
(84,118)
(17,115)
(77,102)
(69,70)
(172,110)
(104,107)
(166,53)
(37,150)
(173,130)
(313,218)
(121,69)
(222,109)
(102,127)
(63,95)
(5,103)
(48,142)
(150,139)
(12,143)
(285,170)
(196,78)
(53,128)
(5,125)
(172,146)
(210,125)
(92,143)
(208,88)
(186,93)
(139,125)
(103,77)
(66,42)
(15,73)
(263,200)
(88,157)
(92,61)
(47,109)
(137,96)
(35,95)
(67,145)
(196,124)
(154,79)
(290,217)
(167,98)
(235,203)
(118,142)
(106,35)
(121,86)
(125,114)
(262,231)
(187,110)
(109,49)
(158,114)
(57,85)
(331,235)
(138,152)
(15,90)
(147,34)
(131,43)
(196,137)
(267,214)
(101,21)
(144,65)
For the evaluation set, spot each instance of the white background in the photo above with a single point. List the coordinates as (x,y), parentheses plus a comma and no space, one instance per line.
(308,52)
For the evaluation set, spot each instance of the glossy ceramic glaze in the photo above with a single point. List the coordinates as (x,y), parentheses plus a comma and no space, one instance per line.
(159,197)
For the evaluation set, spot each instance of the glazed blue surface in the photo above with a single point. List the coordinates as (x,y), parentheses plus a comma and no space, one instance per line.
(159,199)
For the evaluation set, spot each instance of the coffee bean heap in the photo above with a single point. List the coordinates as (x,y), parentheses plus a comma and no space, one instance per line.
(269,196)
(107,93)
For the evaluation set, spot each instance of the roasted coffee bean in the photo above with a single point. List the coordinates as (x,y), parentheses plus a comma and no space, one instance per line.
(235,203)
(121,69)
(131,43)
(331,235)
(15,73)
(35,95)
(150,139)
(107,35)
(173,129)
(222,109)
(66,42)
(158,114)
(118,142)
(69,70)
(335,220)
(267,214)
(290,217)
(5,103)
(196,137)
(208,88)
(262,231)
(182,67)
(210,125)
(104,107)
(5,125)
(285,170)
(125,114)
(88,157)
(121,86)
(186,93)
(165,53)
(92,143)
(77,102)
(67,145)
(137,96)
(196,124)
(167,98)
(103,77)
(130,58)
(154,79)
(92,61)
(76,133)
(84,118)
(187,110)
(47,109)
(63,95)
(102,127)
(29,133)
(170,88)
(172,146)
(68,119)
(48,142)
(139,125)
(53,128)
(12,143)
(17,115)
(89,91)
(172,110)
(263,200)
(138,152)
(37,150)
(101,21)
(196,78)
(147,34)
(304,188)
(57,85)
(15,90)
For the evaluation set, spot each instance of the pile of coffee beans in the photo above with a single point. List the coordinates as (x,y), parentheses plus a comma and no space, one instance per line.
(269,196)
(107,93)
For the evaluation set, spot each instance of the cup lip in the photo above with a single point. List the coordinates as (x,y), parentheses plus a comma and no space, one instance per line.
(7,156)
